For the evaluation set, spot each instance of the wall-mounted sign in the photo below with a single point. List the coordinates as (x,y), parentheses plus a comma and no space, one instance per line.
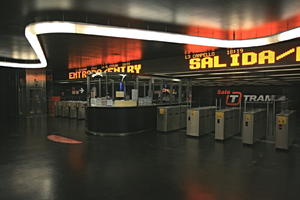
(82,73)
(234,98)
(235,58)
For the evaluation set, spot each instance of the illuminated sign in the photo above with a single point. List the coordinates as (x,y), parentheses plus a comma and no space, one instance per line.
(234,98)
(233,58)
(82,73)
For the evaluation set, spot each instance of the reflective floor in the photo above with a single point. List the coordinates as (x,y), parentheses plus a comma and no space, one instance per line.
(149,166)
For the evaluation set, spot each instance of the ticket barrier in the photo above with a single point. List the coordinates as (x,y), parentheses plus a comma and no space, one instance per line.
(73,109)
(65,109)
(227,123)
(183,114)
(200,121)
(169,118)
(81,110)
(70,109)
(254,126)
(58,108)
(285,128)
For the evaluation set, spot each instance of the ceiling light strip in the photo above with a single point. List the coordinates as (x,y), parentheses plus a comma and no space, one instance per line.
(276,70)
(294,74)
(32,30)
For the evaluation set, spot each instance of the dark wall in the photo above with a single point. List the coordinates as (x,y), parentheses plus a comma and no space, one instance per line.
(9,94)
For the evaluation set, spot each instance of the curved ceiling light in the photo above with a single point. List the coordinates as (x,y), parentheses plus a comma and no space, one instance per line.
(35,29)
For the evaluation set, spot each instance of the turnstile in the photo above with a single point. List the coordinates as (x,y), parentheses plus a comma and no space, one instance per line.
(73,109)
(254,126)
(168,118)
(70,109)
(227,123)
(200,121)
(285,126)
(58,109)
(65,109)
(183,114)
(81,110)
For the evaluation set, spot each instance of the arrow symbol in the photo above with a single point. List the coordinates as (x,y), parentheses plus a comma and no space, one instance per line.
(81,90)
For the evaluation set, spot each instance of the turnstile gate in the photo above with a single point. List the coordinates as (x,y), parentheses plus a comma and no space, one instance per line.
(73,109)
(65,109)
(169,118)
(58,109)
(254,126)
(81,110)
(200,121)
(70,109)
(227,123)
(183,114)
(285,126)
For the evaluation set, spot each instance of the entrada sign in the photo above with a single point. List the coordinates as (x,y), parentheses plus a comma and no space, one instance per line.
(240,58)
(234,98)
(82,73)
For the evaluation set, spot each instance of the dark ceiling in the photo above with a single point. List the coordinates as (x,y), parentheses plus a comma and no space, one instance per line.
(84,50)
(211,18)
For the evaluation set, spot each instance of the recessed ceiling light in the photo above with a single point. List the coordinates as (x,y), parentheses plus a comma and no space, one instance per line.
(234,77)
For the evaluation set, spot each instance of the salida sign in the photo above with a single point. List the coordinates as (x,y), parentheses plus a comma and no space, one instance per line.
(234,98)
(234,58)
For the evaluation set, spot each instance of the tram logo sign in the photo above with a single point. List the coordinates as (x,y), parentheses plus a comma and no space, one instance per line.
(234,98)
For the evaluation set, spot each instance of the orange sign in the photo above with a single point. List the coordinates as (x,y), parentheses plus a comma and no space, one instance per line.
(82,73)
(239,58)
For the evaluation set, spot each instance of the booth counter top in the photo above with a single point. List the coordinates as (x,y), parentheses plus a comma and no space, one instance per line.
(120,121)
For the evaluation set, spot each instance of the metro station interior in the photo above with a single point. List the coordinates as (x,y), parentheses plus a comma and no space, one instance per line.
(148,99)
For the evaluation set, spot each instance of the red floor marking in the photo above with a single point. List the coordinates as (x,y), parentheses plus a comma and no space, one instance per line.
(57,138)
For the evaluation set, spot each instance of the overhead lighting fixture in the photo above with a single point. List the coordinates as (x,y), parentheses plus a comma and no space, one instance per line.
(229,73)
(63,82)
(295,74)
(276,70)
(264,78)
(35,29)
(188,75)
(234,77)
(209,78)
(97,74)
(212,73)
(290,78)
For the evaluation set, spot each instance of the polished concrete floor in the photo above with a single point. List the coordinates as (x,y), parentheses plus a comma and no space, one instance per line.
(148,166)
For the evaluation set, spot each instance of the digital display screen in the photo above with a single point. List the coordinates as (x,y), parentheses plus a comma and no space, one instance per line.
(245,57)
(83,72)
